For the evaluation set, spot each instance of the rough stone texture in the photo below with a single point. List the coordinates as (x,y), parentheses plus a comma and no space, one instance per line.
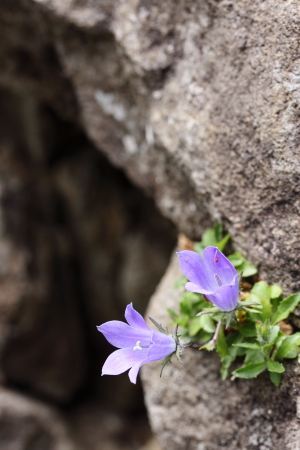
(191,408)
(199,102)
(28,424)
(94,427)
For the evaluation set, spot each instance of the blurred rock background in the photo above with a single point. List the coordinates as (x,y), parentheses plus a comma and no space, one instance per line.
(78,242)
(198,103)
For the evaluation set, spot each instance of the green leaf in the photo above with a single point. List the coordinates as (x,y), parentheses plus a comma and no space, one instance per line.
(222,244)
(254,356)
(209,238)
(195,326)
(231,339)
(250,345)
(275,378)
(250,370)
(289,347)
(247,329)
(183,320)
(274,333)
(236,259)
(208,324)
(247,268)
(274,366)
(218,229)
(286,307)
(187,301)
(172,314)
(221,345)
(261,290)
(181,281)
(226,362)
(267,334)
(279,340)
(255,303)
(242,265)
(203,336)
(198,247)
(209,346)
(212,237)
(201,322)
(265,311)
(275,291)
(293,353)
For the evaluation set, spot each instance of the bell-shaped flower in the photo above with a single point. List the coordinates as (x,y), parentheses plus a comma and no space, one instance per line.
(138,344)
(213,276)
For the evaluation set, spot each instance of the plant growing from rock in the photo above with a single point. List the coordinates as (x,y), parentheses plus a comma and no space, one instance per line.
(251,323)
(225,307)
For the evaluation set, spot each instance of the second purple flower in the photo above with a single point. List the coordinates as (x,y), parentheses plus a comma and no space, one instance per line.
(213,276)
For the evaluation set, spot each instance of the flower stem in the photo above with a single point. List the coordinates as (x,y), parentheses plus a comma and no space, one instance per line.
(214,339)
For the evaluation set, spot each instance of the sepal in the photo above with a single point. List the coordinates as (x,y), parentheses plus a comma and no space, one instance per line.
(159,327)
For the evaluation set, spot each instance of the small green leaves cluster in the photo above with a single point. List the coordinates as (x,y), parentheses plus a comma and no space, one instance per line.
(258,336)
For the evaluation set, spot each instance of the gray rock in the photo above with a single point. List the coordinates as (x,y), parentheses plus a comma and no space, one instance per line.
(198,102)
(28,424)
(190,407)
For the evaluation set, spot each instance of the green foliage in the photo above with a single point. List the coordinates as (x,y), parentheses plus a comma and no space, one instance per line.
(286,307)
(254,333)
(212,237)
(242,265)
(250,370)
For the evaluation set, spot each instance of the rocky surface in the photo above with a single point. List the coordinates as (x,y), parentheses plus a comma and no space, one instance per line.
(28,424)
(199,103)
(192,408)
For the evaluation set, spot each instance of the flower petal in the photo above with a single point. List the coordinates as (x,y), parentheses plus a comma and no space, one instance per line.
(226,297)
(122,335)
(192,287)
(162,346)
(218,264)
(133,372)
(195,269)
(134,318)
(122,360)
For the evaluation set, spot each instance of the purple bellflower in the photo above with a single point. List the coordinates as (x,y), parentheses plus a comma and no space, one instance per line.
(138,344)
(213,276)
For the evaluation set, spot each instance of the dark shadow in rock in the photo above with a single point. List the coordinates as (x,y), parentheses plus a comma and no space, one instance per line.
(80,243)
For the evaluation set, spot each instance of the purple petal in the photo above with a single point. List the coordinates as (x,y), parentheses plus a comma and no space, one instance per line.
(134,318)
(122,360)
(226,296)
(133,372)
(192,287)
(162,346)
(218,264)
(122,335)
(195,269)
